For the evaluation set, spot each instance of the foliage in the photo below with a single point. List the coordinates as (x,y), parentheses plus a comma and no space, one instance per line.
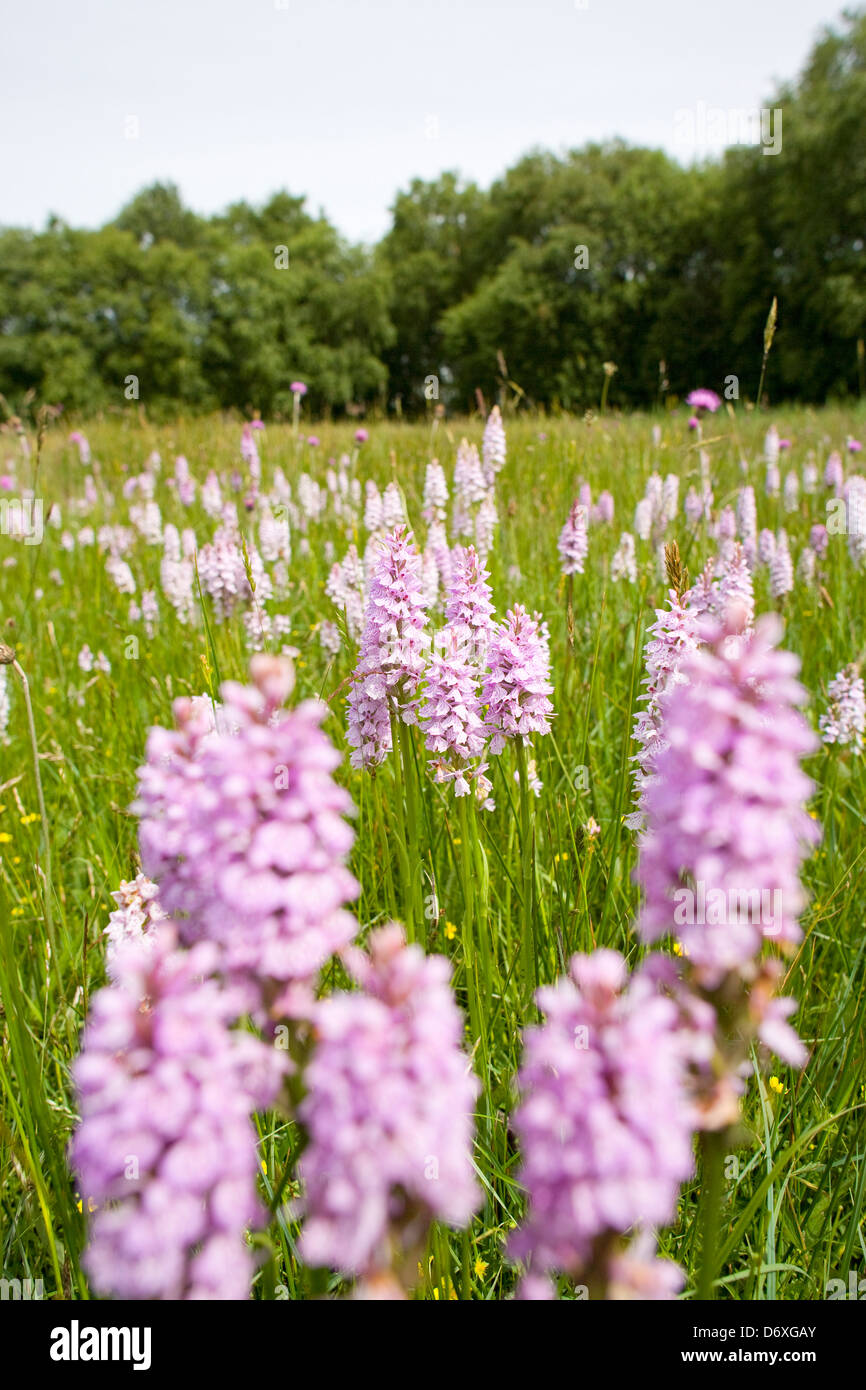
(474,286)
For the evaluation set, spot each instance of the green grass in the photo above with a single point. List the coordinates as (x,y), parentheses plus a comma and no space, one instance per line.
(792,1210)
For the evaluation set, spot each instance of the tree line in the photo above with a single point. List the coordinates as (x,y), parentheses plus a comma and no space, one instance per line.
(566,268)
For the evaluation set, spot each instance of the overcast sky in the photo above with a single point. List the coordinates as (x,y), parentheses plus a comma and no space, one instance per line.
(346,100)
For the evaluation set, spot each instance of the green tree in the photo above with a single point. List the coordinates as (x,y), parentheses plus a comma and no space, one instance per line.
(433,255)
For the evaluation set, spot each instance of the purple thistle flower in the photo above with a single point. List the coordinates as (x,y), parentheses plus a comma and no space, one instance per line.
(388,1111)
(704,399)
(242,828)
(573,541)
(727,829)
(165,1147)
(391,660)
(517,685)
(604,1121)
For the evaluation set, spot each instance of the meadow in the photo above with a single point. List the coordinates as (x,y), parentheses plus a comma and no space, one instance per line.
(109,635)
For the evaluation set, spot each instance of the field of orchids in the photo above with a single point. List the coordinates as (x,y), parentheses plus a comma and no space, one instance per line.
(432,857)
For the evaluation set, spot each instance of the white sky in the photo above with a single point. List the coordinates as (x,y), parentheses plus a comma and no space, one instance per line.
(346,100)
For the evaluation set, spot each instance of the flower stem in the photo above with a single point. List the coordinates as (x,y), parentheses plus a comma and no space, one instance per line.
(46,838)
(711,1198)
(527,923)
(482,898)
(413,844)
(569,613)
(470,959)
(402,837)
(468,932)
